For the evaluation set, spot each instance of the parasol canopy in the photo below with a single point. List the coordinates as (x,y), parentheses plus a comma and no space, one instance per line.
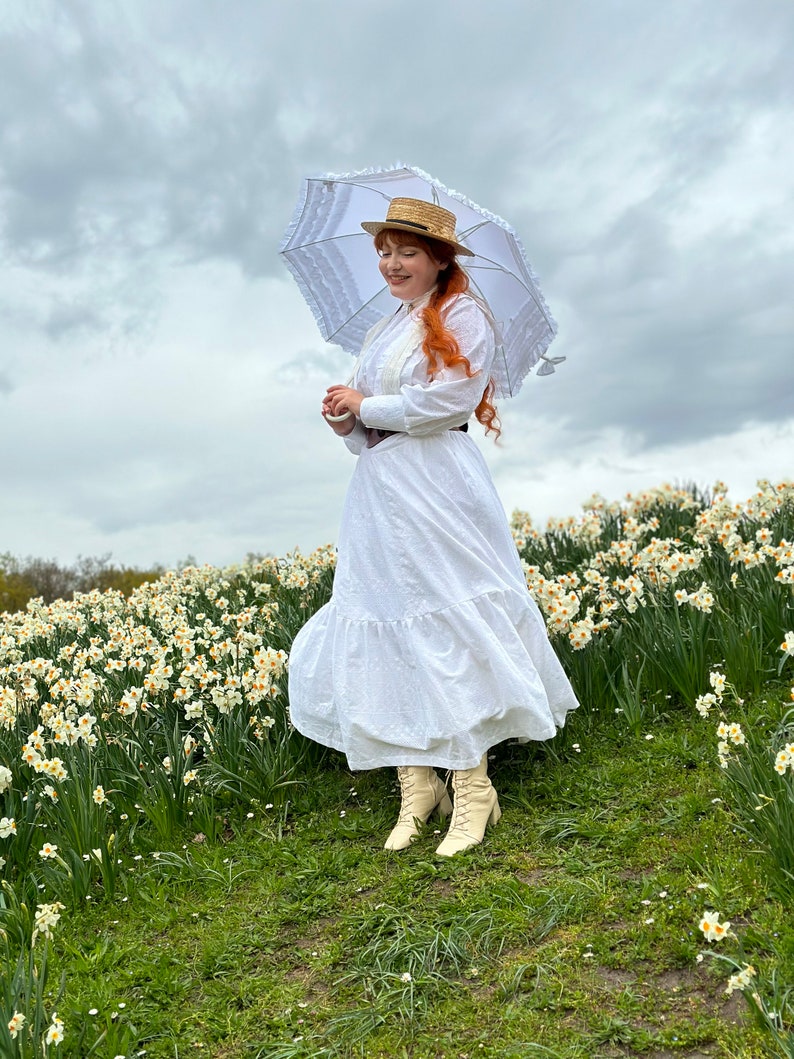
(333,262)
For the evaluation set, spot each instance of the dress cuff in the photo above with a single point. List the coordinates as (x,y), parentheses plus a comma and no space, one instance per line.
(356,439)
(386,412)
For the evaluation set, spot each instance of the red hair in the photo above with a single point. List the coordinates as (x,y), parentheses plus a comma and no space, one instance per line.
(439,344)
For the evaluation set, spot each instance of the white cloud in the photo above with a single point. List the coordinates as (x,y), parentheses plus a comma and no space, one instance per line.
(546,469)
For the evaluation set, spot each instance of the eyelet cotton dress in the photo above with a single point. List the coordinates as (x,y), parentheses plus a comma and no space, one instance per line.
(431,649)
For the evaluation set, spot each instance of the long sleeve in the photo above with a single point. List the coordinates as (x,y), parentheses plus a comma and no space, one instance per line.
(451,397)
(356,439)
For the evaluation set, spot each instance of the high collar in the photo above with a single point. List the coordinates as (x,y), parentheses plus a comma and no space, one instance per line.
(420,302)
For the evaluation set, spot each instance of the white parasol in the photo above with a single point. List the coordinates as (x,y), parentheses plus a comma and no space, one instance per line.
(333,262)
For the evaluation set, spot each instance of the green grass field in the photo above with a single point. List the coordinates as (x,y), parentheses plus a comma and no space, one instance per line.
(573,931)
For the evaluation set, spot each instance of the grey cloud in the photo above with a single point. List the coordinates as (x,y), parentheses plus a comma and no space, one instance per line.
(150,151)
(70,140)
(328,363)
(64,319)
(662,339)
(141,138)
(109,143)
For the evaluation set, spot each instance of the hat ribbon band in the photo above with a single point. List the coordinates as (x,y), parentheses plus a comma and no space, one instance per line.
(412,224)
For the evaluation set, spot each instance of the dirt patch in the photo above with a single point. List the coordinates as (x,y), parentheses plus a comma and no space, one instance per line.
(698,1053)
(616,977)
(444,887)
(534,877)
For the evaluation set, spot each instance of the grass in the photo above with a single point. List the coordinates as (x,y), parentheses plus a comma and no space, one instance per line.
(572,932)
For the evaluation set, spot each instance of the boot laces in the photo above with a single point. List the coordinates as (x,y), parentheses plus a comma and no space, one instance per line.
(407,784)
(462,806)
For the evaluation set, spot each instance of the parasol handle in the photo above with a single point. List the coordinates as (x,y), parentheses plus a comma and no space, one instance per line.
(339,419)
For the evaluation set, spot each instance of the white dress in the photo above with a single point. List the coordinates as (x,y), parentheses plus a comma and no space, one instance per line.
(431,649)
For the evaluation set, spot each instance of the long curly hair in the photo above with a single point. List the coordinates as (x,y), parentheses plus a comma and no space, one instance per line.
(440,346)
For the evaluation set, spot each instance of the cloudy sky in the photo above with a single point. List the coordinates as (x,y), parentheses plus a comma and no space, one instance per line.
(160,375)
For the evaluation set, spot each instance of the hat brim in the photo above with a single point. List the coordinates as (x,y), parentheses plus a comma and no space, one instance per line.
(373,227)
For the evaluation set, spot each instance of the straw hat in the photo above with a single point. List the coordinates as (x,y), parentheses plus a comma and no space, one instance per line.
(422,218)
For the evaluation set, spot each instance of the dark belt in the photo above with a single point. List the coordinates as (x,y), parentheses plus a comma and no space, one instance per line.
(375,436)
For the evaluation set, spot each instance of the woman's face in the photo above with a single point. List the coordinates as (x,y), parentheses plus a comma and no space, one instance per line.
(409,269)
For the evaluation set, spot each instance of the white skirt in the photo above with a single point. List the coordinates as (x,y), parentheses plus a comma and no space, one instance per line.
(431,649)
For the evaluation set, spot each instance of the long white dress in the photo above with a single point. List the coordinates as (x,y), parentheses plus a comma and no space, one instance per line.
(431,649)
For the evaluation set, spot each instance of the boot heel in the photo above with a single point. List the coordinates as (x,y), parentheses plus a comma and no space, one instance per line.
(496,814)
(444,807)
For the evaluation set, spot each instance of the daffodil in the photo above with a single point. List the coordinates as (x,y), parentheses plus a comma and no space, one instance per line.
(55,1033)
(741,980)
(712,928)
(46,919)
(8,827)
(15,1024)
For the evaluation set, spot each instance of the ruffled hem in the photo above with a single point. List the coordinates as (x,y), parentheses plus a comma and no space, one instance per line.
(438,688)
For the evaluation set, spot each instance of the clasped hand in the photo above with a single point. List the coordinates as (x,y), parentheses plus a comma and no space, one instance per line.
(337,401)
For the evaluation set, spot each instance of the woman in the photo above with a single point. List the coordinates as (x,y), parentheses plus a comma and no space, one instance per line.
(430,650)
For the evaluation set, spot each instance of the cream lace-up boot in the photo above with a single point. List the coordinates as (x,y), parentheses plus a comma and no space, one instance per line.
(476,806)
(422,793)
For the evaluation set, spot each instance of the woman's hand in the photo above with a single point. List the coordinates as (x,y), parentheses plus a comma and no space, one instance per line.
(338,401)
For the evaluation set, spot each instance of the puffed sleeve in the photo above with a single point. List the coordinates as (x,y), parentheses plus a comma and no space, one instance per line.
(450,399)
